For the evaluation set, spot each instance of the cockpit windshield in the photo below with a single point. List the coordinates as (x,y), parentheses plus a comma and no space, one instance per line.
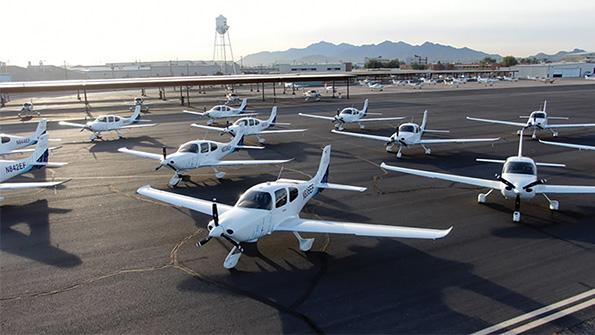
(256,199)
(407,128)
(519,168)
(539,115)
(189,147)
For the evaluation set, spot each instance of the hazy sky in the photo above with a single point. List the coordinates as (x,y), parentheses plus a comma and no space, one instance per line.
(96,32)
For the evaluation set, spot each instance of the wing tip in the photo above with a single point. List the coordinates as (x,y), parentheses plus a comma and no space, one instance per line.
(144,189)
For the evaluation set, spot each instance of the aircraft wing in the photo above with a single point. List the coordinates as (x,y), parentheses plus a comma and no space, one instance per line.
(72,124)
(330,118)
(250,162)
(568,145)
(458,140)
(196,125)
(544,188)
(195,113)
(508,123)
(15,186)
(371,137)
(493,184)
(359,229)
(199,205)
(280,131)
(371,119)
(141,154)
(138,125)
(571,125)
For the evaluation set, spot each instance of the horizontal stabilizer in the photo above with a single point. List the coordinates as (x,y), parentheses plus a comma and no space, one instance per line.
(341,187)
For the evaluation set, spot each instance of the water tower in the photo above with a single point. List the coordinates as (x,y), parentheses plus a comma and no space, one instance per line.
(222,52)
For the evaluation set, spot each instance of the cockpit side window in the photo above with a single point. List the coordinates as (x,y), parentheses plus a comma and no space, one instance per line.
(204,147)
(5,139)
(102,119)
(116,118)
(213,146)
(251,122)
(280,197)
(293,193)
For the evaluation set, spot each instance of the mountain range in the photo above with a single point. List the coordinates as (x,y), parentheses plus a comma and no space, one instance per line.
(329,52)
(325,52)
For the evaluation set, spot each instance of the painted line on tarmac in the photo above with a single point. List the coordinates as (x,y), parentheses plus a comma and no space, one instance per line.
(514,321)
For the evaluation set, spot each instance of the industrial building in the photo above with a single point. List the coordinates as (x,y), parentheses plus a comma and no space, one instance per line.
(554,70)
(151,69)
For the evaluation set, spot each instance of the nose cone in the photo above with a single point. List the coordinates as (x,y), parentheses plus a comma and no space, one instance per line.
(216,231)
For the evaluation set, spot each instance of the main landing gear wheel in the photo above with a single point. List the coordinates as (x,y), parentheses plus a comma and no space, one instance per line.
(482,197)
(175,180)
(554,205)
(232,258)
(427,151)
(516,216)
(361,126)
(305,243)
(219,174)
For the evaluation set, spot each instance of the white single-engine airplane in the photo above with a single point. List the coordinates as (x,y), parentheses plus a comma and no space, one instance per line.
(39,159)
(223,112)
(409,134)
(12,144)
(568,145)
(518,181)
(111,123)
(537,120)
(352,115)
(275,206)
(201,153)
(253,126)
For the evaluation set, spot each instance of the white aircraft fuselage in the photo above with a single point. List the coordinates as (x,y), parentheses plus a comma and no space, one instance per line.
(12,142)
(196,154)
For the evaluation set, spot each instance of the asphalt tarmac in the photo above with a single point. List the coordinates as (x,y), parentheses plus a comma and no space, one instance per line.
(93,256)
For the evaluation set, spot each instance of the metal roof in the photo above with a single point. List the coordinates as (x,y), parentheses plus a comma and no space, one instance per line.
(123,83)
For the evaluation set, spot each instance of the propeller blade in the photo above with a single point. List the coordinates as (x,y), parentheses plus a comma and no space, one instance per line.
(164,152)
(537,182)
(234,242)
(215,214)
(203,242)
(172,167)
(508,184)
(159,167)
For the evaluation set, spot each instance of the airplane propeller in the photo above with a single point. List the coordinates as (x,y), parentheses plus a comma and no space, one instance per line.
(164,153)
(216,224)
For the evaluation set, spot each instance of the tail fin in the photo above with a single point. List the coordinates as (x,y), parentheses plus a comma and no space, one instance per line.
(424,122)
(273,118)
(41,128)
(243,105)
(365,109)
(321,176)
(137,109)
(520,154)
(41,154)
(320,180)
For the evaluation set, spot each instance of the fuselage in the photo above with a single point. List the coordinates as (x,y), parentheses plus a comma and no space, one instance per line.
(520,172)
(222,111)
(108,123)
(263,207)
(12,142)
(350,115)
(407,134)
(538,120)
(13,168)
(251,126)
(194,154)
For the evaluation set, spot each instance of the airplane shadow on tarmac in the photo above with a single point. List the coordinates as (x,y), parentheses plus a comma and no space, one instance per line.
(376,289)
(37,244)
